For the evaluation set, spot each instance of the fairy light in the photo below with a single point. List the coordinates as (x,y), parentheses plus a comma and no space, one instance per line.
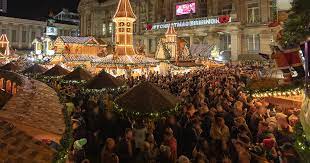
(4,42)
(124,18)
(273,93)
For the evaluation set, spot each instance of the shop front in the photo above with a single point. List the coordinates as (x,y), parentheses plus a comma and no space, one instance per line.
(231,39)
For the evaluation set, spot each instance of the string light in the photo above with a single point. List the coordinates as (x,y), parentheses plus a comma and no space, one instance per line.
(275,92)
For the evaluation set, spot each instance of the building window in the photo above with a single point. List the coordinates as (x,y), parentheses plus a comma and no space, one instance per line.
(272,10)
(24,36)
(110,27)
(3,31)
(104,29)
(253,12)
(225,42)
(14,39)
(253,43)
(33,35)
(227,9)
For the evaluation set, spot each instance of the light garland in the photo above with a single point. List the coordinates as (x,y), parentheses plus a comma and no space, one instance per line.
(154,115)
(274,93)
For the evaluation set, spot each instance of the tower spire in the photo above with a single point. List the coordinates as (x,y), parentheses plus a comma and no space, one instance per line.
(124,18)
(171,30)
(124,9)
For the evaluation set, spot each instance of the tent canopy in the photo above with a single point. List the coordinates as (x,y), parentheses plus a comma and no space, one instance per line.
(104,80)
(147,98)
(10,67)
(78,74)
(35,69)
(57,70)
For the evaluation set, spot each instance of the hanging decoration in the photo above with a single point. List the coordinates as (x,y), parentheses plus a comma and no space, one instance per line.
(156,115)
(281,91)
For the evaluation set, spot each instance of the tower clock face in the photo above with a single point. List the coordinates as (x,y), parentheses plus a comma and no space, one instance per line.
(128,24)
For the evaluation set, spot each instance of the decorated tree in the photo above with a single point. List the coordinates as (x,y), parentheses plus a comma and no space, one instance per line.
(297,30)
(297,26)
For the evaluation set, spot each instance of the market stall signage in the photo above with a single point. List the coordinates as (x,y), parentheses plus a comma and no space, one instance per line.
(193,22)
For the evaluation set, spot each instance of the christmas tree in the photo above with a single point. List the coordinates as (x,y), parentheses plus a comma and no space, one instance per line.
(297,26)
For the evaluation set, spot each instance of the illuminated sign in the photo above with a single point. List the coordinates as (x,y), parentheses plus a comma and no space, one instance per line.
(193,22)
(186,8)
(51,31)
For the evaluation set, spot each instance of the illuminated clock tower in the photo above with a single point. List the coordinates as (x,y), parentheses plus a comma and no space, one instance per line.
(124,18)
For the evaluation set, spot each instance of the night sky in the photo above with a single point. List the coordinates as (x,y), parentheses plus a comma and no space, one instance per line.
(38,9)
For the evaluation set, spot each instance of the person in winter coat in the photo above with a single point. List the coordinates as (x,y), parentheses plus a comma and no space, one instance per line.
(108,152)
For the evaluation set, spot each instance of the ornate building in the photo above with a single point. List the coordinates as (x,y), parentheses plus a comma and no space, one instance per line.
(238,28)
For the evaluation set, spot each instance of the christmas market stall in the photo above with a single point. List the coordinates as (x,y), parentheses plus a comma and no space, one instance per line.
(18,146)
(75,51)
(79,74)
(57,70)
(35,69)
(124,60)
(36,110)
(146,100)
(104,81)
(10,67)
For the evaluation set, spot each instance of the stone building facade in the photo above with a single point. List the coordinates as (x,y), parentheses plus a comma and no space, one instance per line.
(247,32)
(22,32)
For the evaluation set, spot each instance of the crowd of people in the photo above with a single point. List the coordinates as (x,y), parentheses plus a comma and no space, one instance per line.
(217,122)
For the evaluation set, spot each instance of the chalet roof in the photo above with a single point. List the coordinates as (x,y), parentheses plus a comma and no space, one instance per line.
(171,30)
(104,80)
(186,64)
(35,109)
(10,67)
(4,39)
(77,40)
(126,60)
(78,74)
(57,70)
(79,57)
(12,76)
(17,146)
(124,9)
(147,98)
(35,69)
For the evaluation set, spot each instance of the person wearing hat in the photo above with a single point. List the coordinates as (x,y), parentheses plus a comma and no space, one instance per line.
(78,150)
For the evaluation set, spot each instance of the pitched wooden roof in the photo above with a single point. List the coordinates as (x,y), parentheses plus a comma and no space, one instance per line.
(171,30)
(78,74)
(78,40)
(35,69)
(104,80)
(17,146)
(124,9)
(57,70)
(36,109)
(147,98)
(10,67)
